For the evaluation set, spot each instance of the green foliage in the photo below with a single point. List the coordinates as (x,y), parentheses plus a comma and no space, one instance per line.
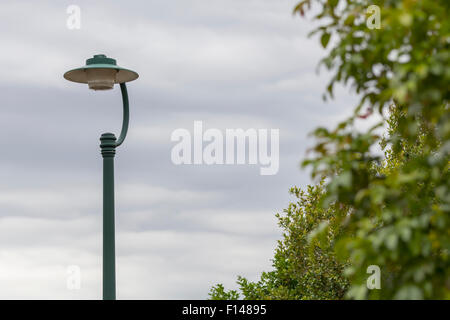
(218,292)
(305,267)
(398,204)
(391,209)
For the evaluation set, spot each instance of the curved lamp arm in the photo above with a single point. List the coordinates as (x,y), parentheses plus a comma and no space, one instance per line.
(126,114)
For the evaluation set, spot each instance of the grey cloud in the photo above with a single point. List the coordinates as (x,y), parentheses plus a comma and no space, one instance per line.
(180,229)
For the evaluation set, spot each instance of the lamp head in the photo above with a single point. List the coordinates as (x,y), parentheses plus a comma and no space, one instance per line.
(101,73)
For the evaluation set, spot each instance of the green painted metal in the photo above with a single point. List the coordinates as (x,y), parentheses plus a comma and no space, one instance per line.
(108,145)
(126,114)
(100,61)
(108,150)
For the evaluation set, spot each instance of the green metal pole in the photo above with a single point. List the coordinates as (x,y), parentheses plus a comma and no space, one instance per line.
(108,144)
(108,149)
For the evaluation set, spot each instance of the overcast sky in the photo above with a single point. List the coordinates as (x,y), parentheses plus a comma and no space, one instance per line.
(179,229)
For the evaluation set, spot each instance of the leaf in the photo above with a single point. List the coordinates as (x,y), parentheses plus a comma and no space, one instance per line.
(324,39)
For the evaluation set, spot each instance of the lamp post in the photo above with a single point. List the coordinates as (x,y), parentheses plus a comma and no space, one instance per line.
(101,73)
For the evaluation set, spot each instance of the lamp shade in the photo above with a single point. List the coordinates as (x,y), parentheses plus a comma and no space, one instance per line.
(101,73)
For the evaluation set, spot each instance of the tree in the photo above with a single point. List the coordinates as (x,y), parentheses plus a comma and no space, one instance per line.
(390,210)
(399,217)
(302,268)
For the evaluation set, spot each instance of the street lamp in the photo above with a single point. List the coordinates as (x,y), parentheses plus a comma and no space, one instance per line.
(101,73)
